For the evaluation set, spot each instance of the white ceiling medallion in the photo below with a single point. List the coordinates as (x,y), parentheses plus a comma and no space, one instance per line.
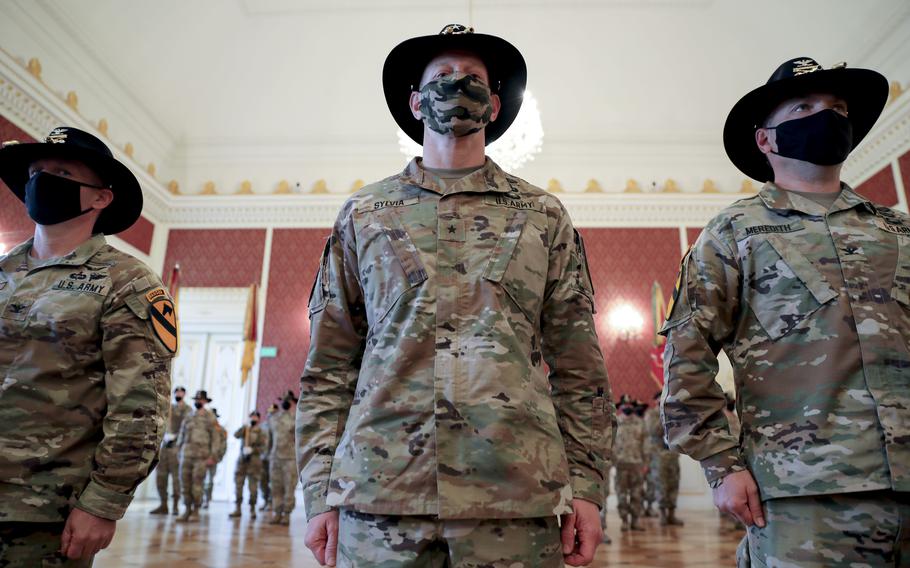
(517,146)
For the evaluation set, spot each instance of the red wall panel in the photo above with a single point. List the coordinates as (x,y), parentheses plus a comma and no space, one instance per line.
(624,263)
(880,188)
(295,260)
(904,165)
(15,225)
(216,257)
(692,234)
(140,235)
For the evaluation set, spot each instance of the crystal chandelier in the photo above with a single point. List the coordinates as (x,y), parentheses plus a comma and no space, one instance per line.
(517,146)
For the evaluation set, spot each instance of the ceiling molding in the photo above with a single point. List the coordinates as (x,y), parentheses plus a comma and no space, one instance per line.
(887,141)
(283,7)
(32,106)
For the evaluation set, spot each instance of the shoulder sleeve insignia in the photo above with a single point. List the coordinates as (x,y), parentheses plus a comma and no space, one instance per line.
(163,315)
(679,283)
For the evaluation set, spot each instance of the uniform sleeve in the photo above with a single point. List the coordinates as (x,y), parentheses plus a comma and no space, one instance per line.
(703,318)
(579,386)
(222,443)
(137,386)
(337,331)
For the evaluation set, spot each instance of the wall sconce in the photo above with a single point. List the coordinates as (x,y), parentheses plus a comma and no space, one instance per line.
(626,322)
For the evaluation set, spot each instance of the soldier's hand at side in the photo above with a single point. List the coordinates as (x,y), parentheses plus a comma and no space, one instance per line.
(322,537)
(581,533)
(85,534)
(738,496)
(210,462)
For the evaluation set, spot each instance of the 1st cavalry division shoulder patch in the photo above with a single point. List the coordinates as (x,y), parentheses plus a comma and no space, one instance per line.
(164,318)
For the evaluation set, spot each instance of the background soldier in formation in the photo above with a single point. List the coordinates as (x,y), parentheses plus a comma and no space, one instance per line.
(220,450)
(168,459)
(87,334)
(649,481)
(249,462)
(664,468)
(629,456)
(265,484)
(806,287)
(282,461)
(444,293)
(198,443)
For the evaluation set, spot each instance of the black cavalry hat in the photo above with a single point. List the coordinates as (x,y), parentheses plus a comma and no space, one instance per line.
(864,90)
(406,62)
(74,144)
(202,395)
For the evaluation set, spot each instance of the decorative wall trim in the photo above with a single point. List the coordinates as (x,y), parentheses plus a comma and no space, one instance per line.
(885,143)
(35,108)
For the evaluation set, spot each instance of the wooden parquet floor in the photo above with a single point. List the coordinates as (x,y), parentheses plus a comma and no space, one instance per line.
(218,542)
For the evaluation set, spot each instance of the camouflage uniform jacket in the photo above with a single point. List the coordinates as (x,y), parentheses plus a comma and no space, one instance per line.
(630,440)
(281,435)
(179,412)
(813,309)
(198,436)
(86,382)
(257,439)
(424,392)
(220,442)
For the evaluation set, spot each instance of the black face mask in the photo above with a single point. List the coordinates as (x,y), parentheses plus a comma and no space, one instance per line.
(286,405)
(626,410)
(198,405)
(178,398)
(52,199)
(824,138)
(253,422)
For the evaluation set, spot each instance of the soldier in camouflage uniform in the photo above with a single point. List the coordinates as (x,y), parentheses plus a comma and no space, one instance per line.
(212,470)
(651,415)
(806,286)
(629,457)
(664,469)
(84,354)
(265,486)
(249,463)
(648,482)
(426,414)
(198,443)
(168,460)
(282,461)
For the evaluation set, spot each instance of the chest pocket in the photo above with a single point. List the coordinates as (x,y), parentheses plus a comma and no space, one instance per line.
(784,288)
(900,291)
(392,266)
(518,263)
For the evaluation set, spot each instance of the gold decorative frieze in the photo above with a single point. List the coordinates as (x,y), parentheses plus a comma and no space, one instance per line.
(670,186)
(357,185)
(632,186)
(246,188)
(593,187)
(319,188)
(553,186)
(151,169)
(173,187)
(283,188)
(209,188)
(34,67)
(72,100)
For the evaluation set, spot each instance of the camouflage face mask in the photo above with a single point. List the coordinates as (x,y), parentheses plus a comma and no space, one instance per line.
(456,105)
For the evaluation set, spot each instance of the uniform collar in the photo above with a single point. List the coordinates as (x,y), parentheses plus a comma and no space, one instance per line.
(490,177)
(776,197)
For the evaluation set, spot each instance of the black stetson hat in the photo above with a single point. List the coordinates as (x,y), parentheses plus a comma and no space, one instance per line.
(864,90)
(202,395)
(74,144)
(405,65)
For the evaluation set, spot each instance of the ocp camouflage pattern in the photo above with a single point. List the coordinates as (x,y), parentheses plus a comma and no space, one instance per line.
(813,309)
(456,103)
(425,391)
(86,382)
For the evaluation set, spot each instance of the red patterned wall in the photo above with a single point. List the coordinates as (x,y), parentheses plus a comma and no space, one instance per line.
(904,165)
(692,234)
(880,188)
(15,226)
(624,263)
(295,260)
(140,235)
(216,257)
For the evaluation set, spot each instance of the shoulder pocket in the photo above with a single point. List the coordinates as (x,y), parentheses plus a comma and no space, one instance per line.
(785,288)
(319,294)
